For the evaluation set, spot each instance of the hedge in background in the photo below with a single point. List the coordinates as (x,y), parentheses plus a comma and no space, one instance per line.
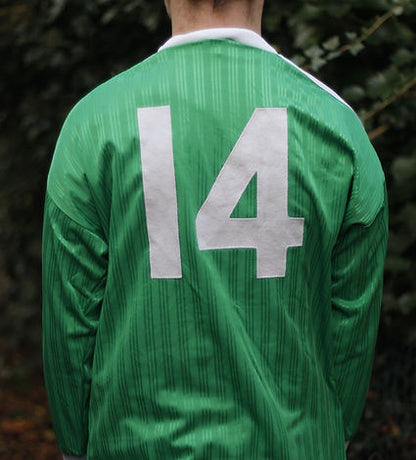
(55,51)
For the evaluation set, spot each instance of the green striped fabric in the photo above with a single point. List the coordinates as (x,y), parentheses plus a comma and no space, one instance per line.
(217,362)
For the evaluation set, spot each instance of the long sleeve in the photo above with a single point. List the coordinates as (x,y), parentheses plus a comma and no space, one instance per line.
(74,277)
(357,275)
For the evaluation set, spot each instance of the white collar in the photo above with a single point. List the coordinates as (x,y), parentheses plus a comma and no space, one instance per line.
(245,36)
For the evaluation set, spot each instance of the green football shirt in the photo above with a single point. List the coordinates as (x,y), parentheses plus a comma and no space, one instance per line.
(214,240)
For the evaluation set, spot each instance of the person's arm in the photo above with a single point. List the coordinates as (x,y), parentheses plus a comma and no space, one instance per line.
(357,277)
(74,277)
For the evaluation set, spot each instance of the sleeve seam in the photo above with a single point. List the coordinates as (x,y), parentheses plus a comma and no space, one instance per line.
(65,213)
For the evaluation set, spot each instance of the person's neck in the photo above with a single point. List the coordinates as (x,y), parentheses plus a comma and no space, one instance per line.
(203,16)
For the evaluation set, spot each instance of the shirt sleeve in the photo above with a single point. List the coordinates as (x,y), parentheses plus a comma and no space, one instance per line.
(357,278)
(74,278)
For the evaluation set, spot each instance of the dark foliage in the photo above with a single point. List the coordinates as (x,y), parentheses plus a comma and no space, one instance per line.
(55,51)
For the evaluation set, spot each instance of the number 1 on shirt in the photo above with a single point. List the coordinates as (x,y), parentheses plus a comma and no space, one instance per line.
(261,149)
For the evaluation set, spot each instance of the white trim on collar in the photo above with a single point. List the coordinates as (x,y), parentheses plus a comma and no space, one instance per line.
(245,36)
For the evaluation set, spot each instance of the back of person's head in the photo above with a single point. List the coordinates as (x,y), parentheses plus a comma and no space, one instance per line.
(188,15)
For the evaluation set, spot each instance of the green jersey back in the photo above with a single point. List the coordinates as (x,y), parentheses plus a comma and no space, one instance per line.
(214,240)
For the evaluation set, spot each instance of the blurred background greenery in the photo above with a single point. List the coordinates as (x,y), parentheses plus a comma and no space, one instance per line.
(54,51)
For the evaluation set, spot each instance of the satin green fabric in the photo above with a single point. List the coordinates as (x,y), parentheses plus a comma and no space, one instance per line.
(218,364)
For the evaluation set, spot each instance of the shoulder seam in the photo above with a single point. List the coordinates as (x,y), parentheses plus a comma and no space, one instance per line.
(317,82)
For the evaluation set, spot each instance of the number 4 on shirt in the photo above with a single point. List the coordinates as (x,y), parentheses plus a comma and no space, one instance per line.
(261,149)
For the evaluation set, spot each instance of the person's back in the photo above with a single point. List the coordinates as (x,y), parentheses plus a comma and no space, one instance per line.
(221,230)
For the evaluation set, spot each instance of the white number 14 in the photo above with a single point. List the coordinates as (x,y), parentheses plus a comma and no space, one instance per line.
(261,149)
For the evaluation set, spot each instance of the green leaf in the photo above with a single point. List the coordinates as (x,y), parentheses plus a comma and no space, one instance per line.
(314,52)
(351,35)
(332,43)
(298,59)
(403,56)
(398,10)
(356,48)
(353,93)
(404,169)
(317,63)
(333,55)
